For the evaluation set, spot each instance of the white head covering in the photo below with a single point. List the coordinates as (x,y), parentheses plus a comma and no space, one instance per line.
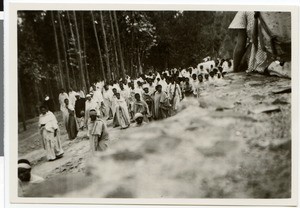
(146,86)
(24,165)
(138,115)
(71,107)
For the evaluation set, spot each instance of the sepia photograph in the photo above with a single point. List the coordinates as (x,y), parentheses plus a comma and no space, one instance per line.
(153,104)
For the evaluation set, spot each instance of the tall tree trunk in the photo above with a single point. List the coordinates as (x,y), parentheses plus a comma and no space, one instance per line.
(114,70)
(50,92)
(84,53)
(98,46)
(76,49)
(79,54)
(139,69)
(57,52)
(131,66)
(64,49)
(41,92)
(38,98)
(132,46)
(114,45)
(119,45)
(21,104)
(68,48)
(105,47)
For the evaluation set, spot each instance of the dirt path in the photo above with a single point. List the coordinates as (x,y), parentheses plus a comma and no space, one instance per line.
(76,152)
(223,149)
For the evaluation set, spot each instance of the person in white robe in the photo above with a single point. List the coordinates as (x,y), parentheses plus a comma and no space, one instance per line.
(65,113)
(91,89)
(107,100)
(212,77)
(184,73)
(200,86)
(195,71)
(163,84)
(99,100)
(131,100)
(139,88)
(121,115)
(151,87)
(99,85)
(125,84)
(125,93)
(148,98)
(116,86)
(48,128)
(90,104)
(61,98)
(207,66)
(167,72)
(72,97)
(194,82)
(157,78)
(205,81)
(161,104)
(140,79)
(175,95)
(140,106)
(97,132)
(113,101)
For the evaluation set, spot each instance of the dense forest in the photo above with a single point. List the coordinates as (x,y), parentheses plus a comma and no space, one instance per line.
(68,49)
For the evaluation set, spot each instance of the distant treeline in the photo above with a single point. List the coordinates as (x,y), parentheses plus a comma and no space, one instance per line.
(68,49)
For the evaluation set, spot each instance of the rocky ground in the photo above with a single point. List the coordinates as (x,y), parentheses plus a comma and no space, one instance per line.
(234,142)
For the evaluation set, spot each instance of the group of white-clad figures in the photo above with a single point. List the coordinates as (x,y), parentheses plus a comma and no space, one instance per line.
(127,102)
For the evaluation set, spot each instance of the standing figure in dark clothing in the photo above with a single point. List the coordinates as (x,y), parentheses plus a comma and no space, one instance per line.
(79,111)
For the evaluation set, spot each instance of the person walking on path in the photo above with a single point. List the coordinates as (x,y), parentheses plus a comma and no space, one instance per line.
(48,128)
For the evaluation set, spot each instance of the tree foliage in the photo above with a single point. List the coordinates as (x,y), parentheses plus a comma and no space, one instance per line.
(148,41)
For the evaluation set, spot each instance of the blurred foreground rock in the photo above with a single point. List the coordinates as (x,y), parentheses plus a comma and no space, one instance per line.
(215,147)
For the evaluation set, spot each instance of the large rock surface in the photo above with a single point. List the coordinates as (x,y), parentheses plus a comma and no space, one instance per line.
(215,147)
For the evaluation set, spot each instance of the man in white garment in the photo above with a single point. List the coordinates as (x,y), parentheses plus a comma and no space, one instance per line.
(174,94)
(194,82)
(163,83)
(72,97)
(90,104)
(125,93)
(107,99)
(61,98)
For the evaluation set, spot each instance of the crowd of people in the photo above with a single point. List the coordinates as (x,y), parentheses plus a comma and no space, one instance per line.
(156,95)
(126,102)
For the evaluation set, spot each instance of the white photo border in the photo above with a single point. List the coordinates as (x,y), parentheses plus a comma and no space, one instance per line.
(11,102)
